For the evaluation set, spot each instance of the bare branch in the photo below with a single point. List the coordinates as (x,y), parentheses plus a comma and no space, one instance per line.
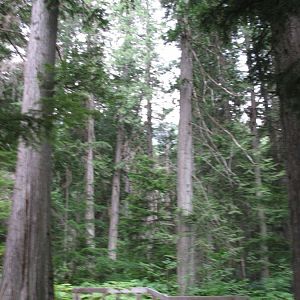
(233,139)
(14,46)
(218,84)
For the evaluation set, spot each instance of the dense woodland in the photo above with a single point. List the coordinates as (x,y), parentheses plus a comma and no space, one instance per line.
(99,185)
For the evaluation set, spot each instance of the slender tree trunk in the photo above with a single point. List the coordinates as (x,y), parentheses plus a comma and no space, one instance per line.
(127,157)
(269,121)
(149,48)
(27,271)
(152,196)
(286,46)
(258,192)
(115,198)
(243,273)
(185,261)
(89,178)
(167,164)
(149,129)
(66,187)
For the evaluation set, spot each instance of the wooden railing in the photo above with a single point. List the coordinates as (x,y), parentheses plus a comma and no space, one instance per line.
(138,292)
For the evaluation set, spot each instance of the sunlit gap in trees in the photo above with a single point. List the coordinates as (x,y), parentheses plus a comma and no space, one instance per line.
(165,98)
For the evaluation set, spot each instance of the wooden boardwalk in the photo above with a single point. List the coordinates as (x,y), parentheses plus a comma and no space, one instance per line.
(138,292)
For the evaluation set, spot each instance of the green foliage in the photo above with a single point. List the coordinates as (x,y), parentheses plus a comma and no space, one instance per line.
(92,16)
(148,177)
(6,185)
(275,288)
(12,19)
(63,291)
(225,198)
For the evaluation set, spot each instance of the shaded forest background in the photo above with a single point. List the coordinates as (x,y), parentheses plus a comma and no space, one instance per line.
(114,162)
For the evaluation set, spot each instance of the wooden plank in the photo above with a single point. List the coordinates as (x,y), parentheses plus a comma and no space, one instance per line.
(230,297)
(89,290)
(157,295)
(138,291)
(138,296)
(112,291)
(76,296)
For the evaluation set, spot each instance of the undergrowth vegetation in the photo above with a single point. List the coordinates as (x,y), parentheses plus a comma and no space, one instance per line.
(276,287)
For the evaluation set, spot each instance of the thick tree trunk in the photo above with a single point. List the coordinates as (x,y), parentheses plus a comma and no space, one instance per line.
(27,271)
(115,198)
(89,177)
(286,46)
(185,255)
(263,230)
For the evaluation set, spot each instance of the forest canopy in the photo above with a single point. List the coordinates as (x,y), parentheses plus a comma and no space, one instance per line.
(150,144)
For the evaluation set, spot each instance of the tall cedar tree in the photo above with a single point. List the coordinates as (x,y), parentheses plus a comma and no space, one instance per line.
(283,18)
(115,196)
(185,255)
(89,176)
(27,267)
(286,45)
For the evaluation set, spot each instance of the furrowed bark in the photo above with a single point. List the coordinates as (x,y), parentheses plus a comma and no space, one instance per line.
(27,271)
(286,46)
(115,198)
(185,255)
(89,178)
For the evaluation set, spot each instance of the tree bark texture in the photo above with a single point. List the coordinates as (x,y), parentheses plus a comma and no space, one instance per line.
(89,177)
(185,261)
(115,198)
(27,271)
(286,46)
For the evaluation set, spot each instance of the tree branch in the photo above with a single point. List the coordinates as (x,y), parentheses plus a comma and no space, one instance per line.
(14,46)
(218,84)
